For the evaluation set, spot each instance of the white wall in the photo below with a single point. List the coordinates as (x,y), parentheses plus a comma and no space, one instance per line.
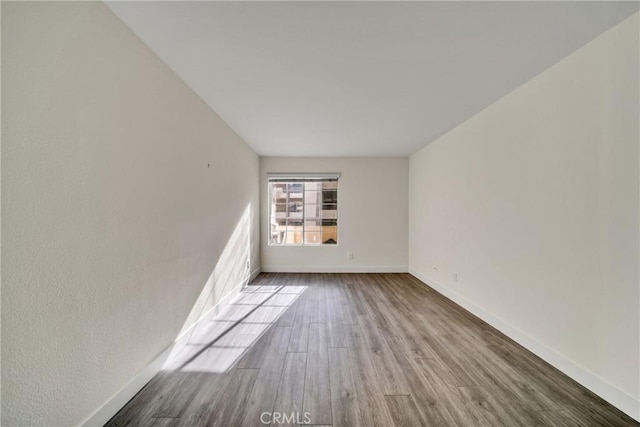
(116,235)
(372,216)
(534,204)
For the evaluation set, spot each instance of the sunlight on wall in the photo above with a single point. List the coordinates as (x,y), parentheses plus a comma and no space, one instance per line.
(230,273)
(225,320)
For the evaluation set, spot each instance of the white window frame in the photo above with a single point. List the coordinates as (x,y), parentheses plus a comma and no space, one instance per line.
(301,177)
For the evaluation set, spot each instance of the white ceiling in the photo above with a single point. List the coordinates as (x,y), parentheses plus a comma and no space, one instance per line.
(359,78)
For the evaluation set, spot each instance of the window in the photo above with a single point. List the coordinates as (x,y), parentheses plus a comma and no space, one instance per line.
(303,209)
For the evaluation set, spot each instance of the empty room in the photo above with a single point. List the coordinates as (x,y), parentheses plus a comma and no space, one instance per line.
(367,213)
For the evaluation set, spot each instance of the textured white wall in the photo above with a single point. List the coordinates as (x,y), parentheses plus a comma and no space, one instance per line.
(534,204)
(372,216)
(112,223)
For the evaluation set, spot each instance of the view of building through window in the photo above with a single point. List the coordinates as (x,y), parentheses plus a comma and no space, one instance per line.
(303,211)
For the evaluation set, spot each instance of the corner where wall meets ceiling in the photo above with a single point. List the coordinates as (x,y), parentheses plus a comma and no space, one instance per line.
(359,78)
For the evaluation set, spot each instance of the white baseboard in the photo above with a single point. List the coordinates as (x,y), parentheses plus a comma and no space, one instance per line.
(254,274)
(126,393)
(334,269)
(608,392)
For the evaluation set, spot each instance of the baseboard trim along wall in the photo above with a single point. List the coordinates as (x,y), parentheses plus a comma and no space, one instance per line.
(253,275)
(341,269)
(118,400)
(608,392)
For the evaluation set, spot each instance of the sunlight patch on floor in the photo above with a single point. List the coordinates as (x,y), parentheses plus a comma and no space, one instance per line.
(216,345)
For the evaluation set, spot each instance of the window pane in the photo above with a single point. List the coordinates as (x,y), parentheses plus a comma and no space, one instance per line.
(313,237)
(295,191)
(329,213)
(293,236)
(278,190)
(288,238)
(312,186)
(312,211)
(329,222)
(295,210)
(303,213)
(330,235)
(330,185)
(274,237)
(312,196)
(330,196)
(295,206)
(282,236)
(294,187)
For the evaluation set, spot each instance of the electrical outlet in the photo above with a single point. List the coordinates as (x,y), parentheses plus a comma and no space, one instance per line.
(350,255)
(455,277)
(435,267)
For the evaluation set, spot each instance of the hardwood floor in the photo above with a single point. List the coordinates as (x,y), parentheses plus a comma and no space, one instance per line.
(358,350)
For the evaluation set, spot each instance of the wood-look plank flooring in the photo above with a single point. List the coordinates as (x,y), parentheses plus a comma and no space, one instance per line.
(357,350)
